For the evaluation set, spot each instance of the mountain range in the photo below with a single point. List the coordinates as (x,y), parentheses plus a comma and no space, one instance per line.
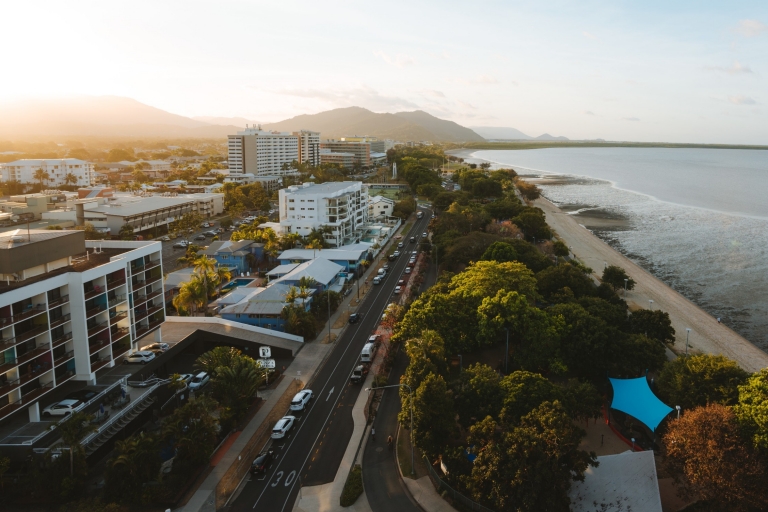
(506,133)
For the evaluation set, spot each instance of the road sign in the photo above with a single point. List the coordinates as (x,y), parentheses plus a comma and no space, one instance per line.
(266,363)
(265,352)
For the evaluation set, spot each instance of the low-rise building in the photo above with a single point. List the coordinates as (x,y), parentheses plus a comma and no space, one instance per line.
(70,308)
(60,171)
(360,150)
(345,160)
(349,257)
(380,207)
(265,308)
(234,255)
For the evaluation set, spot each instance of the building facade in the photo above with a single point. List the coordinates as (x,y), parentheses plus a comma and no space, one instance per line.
(345,160)
(260,152)
(380,207)
(361,150)
(309,147)
(377,146)
(339,207)
(69,308)
(82,173)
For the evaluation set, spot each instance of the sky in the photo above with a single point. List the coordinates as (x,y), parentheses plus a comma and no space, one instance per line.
(683,71)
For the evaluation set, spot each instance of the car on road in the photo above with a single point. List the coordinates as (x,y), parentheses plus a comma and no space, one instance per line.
(200,237)
(182,244)
(199,380)
(385,266)
(63,408)
(377,280)
(401,282)
(354,317)
(408,270)
(210,233)
(396,254)
(413,239)
(400,245)
(283,426)
(165,238)
(139,357)
(398,289)
(392,257)
(302,398)
(424,235)
(157,348)
(261,464)
(205,225)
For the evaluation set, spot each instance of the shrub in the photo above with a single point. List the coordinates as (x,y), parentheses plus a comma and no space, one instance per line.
(353,487)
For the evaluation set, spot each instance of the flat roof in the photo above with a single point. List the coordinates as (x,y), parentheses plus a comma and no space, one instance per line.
(134,206)
(320,269)
(346,253)
(32,236)
(324,188)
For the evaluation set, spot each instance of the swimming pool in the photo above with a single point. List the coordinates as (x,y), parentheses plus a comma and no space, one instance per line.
(236,283)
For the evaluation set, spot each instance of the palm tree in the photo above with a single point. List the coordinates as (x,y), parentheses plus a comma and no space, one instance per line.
(236,384)
(41,176)
(271,242)
(219,357)
(193,295)
(223,275)
(292,295)
(70,179)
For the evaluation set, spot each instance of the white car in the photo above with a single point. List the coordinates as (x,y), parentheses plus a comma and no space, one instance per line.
(199,380)
(400,245)
(398,289)
(377,280)
(63,408)
(300,401)
(282,427)
(186,378)
(157,347)
(407,270)
(140,357)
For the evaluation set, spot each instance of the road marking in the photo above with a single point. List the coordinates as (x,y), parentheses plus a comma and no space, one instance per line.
(279,475)
(289,478)
(330,393)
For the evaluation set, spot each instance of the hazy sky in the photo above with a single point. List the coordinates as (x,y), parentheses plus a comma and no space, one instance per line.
(646,70)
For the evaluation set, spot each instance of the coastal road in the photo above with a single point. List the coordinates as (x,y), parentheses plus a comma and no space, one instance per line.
(312,452)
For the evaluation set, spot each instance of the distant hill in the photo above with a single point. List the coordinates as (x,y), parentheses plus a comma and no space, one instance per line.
(402,126)
(226,121)
(546,136)
(104,116)
(500,132)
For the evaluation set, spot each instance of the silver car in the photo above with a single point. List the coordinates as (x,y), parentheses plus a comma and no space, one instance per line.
(300,401)
(282,427)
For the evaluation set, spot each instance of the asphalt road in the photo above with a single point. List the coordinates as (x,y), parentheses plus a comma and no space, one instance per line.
(311,453)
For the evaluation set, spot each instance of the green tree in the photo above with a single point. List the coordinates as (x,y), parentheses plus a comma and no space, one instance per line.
(506,208)
(219,357)
(705,448)
(533,224)
(501,252)
(70,179)
(752,409)
(528,467)
(433,415)
(529,191)
(136,462)
(41,176)
(126,232)
(404,208)
(552,280)
(615,277)
(479,394)
(193,429)
(560,249)
(654,324)
(523,392)
(234,386)
(118,155)
(700,380)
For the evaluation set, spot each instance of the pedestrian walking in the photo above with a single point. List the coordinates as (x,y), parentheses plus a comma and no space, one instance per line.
(718,319)
(373,433)
(389,442)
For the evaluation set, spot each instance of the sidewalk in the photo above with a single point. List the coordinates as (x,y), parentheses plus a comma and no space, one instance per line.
(325,498)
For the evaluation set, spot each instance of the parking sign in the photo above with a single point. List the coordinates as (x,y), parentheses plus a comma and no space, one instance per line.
(265,352)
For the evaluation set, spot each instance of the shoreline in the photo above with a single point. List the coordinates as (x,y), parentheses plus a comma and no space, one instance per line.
(707,336)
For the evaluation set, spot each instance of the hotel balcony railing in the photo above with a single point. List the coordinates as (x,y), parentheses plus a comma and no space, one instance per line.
(137,267)
(28,356)
(55,322)
(26,399)
(64,377)
(138,315)
(58,302)
(100,363)
(95,310)
(97,328)
(138,284)
(141,331)
(152,264)
(61,340)
(154,294)
(116,300)
(8,365)
(66,356)
(114,283)
(28,312)
(120,349)
(96,346)
(155,308)
(153,279)
(139,299)
(94,292)
(39,372)
(28,335)
(116,318)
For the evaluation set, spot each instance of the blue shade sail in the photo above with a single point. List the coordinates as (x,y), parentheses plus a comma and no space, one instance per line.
(634,397)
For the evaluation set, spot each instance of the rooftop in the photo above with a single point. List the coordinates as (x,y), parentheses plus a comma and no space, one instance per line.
(330,187)
(124,207)
(319,269)
(21,237)
(352,252)
(230,247)
(47,161)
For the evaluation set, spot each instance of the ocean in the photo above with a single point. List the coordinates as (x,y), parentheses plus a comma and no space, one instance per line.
(695,218)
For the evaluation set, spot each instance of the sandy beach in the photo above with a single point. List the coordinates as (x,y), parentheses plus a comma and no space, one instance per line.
(707,336)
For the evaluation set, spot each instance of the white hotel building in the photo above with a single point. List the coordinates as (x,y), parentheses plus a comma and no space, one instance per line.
(24,171)
(69,309)
(342,206)
(263,153)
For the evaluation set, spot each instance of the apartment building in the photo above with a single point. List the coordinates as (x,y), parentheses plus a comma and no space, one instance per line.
(377,146)
(361,150)
(258,152)
(58,170)
(340,206)
(309,147)
(69,308)
(345,160)
(380,207)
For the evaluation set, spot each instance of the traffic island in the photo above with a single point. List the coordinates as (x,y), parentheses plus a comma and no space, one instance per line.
(353,487)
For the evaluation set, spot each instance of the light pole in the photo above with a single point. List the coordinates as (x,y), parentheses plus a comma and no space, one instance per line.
(411,433)
(650,304)
(678,411)
(633,444)
(687,335)
(506,354)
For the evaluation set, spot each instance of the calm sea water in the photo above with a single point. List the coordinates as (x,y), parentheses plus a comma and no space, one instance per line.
(698,218)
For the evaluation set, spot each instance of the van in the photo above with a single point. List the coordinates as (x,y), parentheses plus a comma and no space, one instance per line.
(368,353)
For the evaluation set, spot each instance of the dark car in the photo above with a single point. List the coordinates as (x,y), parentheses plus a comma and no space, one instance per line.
(84,395)
(262,462)
(354,317)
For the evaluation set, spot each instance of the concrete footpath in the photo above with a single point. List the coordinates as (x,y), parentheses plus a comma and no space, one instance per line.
(325,498)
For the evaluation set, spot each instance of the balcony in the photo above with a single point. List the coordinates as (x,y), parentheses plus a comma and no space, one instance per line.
(117,317)
(60,320)
(118,350)
(138,315)
(138,284)
(152,309)
(154,294)
(141,331)
(137,268)
(96,346)
(58,302)
(97,328)
(29,312)
(100,363)
(61,340)
(152,264)
(139,299)
(94,292)
(116,300)
(95,311)
(151,279)
(8,365)
(64,377)
(28,335)
(28,356)
(114,283)
(120,333)
(25,400)
(66,356)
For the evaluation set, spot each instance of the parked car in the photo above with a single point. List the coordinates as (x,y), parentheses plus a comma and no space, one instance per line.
(199,380)
(157,348)
(391,257)
(261,463)
(413,239)
(302,398)
(282,427)
(63,408)
(139,357)
(401,282)
(165,238)
(398,289)
(400,245)
(354,317)
(200,237)
(377,280)
(204,225)
(424,235)
(385,266)
(210,233)
(396,254)
(182,244)
(408,270)
(186,378)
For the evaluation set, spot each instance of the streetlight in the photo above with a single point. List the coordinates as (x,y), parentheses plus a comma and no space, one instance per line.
(625,286)
(633,444)
(411,433)
(687,335)
(678,411)
(650,302)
